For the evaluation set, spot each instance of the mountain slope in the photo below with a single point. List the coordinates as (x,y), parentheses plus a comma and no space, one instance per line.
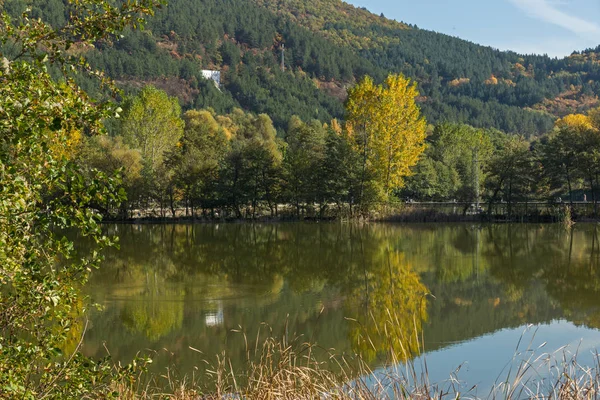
(449,66)
(338,21)
(329,45)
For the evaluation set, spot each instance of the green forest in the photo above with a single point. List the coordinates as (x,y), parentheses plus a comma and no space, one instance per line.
(236,166)
(327,51)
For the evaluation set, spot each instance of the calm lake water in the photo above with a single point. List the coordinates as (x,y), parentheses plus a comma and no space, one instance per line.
(469,291)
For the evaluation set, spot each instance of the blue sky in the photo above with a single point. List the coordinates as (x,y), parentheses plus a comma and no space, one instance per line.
(553,27)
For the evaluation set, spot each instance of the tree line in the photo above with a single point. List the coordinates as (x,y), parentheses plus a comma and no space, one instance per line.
(237,165)
(468,164)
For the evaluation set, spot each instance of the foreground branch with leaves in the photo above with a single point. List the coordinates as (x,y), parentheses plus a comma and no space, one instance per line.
(42,194)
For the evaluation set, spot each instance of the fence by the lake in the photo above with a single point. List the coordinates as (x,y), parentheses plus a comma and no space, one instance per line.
(505,210)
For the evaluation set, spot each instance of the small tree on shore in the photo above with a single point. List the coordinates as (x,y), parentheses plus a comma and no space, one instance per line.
(389,133)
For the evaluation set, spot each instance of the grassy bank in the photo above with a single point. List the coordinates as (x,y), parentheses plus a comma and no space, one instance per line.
(280,369)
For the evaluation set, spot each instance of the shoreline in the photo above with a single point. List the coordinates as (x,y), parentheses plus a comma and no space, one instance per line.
(395,219)
(397,213)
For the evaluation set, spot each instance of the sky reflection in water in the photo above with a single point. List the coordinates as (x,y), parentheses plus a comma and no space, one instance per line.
(179,286)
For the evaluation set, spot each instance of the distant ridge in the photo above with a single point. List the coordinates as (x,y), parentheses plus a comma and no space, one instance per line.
(329,45)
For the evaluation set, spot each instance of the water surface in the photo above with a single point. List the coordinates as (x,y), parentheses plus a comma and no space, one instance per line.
(467,291)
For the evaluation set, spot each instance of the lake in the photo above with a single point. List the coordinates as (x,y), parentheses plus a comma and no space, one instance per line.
(476,296)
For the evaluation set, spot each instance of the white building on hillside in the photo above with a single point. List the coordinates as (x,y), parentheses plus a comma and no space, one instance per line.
(214,76)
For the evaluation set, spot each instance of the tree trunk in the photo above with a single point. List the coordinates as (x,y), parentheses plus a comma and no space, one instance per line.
(476,178)
(595,206)
(124,209)
(510,199)
(593,190)
(364,167)
(322,208)
(172,202)
(568,173)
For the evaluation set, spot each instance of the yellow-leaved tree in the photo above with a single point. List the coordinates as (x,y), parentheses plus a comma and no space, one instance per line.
(575,122)
(388,131)
(576,147)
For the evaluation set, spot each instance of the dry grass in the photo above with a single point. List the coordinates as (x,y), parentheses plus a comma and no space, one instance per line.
(291,369)
(556,375)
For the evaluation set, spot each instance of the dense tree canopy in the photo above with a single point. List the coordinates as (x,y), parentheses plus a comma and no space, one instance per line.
(329,46)
(235,165)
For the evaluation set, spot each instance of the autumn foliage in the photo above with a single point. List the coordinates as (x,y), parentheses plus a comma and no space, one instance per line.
(388,131)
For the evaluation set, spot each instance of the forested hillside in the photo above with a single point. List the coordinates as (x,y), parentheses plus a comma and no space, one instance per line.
(329,45)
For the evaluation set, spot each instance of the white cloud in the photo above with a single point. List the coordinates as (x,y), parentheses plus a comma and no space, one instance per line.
(548,11)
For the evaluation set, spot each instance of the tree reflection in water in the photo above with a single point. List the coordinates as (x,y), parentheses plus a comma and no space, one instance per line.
(355,288)
(388,311)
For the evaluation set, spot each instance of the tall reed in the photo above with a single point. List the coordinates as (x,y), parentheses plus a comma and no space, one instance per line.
(283,368)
